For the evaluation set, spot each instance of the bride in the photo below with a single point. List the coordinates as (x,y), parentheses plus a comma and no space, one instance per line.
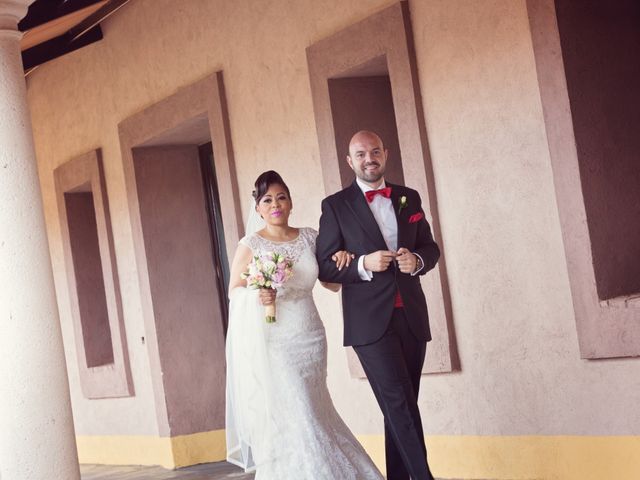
(281,421)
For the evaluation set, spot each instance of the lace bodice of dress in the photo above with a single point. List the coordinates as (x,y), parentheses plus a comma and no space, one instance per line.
(301,251)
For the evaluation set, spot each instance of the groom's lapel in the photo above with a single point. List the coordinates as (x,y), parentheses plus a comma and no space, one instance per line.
(358,205)
(401,216)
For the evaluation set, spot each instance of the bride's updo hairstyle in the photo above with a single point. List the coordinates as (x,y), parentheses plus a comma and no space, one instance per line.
(264,181)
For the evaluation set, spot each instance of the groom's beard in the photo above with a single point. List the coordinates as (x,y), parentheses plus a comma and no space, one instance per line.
(371,177)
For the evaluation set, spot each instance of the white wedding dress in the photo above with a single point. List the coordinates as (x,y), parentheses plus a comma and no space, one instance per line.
(281,421)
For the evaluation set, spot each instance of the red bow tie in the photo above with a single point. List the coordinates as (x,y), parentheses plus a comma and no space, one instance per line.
(371,194)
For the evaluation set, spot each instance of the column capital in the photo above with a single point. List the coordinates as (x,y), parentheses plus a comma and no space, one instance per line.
(11,12)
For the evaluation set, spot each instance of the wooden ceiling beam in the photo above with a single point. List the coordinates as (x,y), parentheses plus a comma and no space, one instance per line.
(44,11)
(96,17)
(58,46)
(81,34)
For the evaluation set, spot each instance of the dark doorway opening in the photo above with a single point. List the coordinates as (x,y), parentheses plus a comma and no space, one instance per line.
(218,246)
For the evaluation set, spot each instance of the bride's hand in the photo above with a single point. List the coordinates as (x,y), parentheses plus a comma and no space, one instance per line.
(342,259)
(267,296)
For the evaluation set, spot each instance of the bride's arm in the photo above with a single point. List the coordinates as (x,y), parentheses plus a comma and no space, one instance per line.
(241,260)
(328,242)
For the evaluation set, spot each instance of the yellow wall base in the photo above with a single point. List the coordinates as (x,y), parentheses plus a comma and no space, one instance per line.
(450,456)
(199,448)
(173,452)
(526,457)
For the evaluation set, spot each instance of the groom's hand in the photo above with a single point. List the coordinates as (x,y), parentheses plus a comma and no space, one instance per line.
(379,261)
(407,261)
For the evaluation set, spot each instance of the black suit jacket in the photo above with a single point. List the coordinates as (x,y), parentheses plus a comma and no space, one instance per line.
(348,224)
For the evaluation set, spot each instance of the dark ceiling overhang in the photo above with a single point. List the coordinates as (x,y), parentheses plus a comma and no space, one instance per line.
(53,28)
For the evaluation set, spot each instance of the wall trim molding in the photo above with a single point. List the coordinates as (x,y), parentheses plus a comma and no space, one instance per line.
(86,173)
(606,328)
(335,57)
(192,104)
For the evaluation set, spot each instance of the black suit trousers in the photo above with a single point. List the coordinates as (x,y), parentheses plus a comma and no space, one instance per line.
(393,365)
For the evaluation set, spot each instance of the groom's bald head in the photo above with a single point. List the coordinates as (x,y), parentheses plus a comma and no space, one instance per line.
(367,157)
(364,135)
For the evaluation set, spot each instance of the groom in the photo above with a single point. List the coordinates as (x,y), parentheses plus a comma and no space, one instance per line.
(385,312)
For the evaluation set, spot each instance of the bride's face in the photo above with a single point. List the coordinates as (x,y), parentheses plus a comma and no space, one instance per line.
(275,205)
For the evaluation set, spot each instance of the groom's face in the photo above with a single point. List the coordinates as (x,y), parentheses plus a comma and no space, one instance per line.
(367,157)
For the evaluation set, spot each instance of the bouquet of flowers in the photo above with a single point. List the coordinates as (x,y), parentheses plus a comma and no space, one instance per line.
(269,270)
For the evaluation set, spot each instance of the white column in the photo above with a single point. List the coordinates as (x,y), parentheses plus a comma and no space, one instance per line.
(37,440)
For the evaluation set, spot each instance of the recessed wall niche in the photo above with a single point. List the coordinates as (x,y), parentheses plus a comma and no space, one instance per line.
(359,83)
(182,193)
(588,71)
(92,278)
(362,99)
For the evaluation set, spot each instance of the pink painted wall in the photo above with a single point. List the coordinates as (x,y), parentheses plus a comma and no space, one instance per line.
(521,371)
(600,48)
(181,268)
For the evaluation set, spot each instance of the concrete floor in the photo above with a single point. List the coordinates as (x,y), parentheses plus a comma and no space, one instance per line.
(208,471)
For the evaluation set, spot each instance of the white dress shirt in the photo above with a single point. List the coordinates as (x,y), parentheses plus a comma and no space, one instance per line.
(382,209)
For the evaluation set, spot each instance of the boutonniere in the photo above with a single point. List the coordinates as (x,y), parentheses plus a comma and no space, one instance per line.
(403,204)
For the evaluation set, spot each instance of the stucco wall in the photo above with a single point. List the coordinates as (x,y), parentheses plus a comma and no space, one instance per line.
(521,369)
